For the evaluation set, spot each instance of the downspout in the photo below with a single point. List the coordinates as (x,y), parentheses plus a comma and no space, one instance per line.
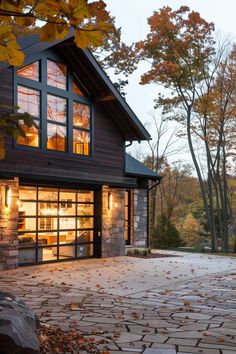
(148,202)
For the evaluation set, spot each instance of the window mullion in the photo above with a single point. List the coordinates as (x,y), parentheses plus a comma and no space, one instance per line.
(44,103)
(70,125)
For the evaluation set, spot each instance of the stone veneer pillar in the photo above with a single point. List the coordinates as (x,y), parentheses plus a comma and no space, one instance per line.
(140,218)
(8,225)
(113,223)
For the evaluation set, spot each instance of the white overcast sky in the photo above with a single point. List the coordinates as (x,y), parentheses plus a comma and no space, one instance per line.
(132,16)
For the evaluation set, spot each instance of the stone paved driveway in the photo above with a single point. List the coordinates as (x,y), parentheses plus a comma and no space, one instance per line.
(185,304)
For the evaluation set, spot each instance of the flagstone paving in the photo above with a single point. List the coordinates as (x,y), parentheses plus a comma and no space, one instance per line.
(194,315)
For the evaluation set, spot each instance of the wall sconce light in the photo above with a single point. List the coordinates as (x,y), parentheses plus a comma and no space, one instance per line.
(110,200)
(7,197)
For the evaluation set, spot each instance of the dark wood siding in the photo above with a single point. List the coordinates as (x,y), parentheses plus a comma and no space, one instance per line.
(6,85)
(108,145)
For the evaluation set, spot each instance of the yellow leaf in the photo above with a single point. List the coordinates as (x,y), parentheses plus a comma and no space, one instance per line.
(95,37)
(61,30)
(2,147)
(3,53)
(48,32)
(80,11)
(43,10)
(81,39)
(15,56)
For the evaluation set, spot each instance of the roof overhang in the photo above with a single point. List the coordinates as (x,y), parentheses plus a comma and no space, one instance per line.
(102,90)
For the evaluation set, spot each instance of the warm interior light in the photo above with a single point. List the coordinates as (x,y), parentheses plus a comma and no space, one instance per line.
(19,203)
(110,200)
(7,197)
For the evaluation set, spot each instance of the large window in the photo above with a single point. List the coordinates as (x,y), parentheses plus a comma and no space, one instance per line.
(55,224)
(50,93)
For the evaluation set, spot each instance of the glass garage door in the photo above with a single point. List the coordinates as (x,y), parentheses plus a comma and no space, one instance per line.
(55,224)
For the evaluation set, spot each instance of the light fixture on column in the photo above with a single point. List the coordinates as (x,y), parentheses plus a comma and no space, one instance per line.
(7,197)
(110,200)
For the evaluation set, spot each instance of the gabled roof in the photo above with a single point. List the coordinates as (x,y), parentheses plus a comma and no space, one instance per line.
(134,167)
(98,84)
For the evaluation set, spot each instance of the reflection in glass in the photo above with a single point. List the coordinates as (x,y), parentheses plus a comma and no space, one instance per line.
(26,254)
(67,223)
(81,115)
(28,193)
(27,208)
(49,238)
(67,237)
(56,139)
(47,209)
(81,142)
(28,101)
(56,109)
(30,71)
(26,224)
(76,89)
(67,195)
(26,239)
(66,251)
(85,250)
(45,193)
(47,254)
(56,74)
(85,209)
(47,223)
(66,208)
(84,236)
(31,137)
(85,196)
(84,223)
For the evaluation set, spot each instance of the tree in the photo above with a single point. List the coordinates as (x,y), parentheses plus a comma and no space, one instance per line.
(190,230)
(90,21)
(165,235)
(52,19)
(162,146)
(183,57)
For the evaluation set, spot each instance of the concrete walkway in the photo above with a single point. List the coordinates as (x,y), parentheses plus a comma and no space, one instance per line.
(183,304)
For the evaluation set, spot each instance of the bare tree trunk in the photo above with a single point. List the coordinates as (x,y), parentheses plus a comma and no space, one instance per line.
(207,207)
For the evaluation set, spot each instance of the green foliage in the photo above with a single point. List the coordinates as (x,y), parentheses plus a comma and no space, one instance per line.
(166,235)
(138,252)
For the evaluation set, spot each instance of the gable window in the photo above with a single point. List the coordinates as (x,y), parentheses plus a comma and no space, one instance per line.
(30,71)
(49,92)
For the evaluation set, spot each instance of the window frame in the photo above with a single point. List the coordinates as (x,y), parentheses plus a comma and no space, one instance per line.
(67,94)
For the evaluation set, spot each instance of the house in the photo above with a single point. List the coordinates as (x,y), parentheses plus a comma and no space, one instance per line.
(68,189)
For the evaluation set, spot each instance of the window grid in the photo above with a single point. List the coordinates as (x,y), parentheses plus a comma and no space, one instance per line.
(40,232)
(65,137)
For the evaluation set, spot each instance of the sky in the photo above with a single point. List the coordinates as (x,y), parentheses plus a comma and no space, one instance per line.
(132,16)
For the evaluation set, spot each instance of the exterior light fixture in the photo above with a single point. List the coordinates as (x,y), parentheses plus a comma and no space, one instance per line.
(7,197)
(110,200)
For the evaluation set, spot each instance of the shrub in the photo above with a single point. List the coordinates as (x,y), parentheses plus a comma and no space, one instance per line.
(166,235)
(138,252)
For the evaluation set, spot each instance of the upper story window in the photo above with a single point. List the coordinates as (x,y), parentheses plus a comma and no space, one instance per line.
(30,71)
(56,74)
(49,92)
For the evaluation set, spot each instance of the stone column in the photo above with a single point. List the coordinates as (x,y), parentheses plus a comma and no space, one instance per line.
(140,218)
(113,222)
(9,224)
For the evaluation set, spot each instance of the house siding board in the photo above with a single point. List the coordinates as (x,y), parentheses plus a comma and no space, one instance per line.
(6,92)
